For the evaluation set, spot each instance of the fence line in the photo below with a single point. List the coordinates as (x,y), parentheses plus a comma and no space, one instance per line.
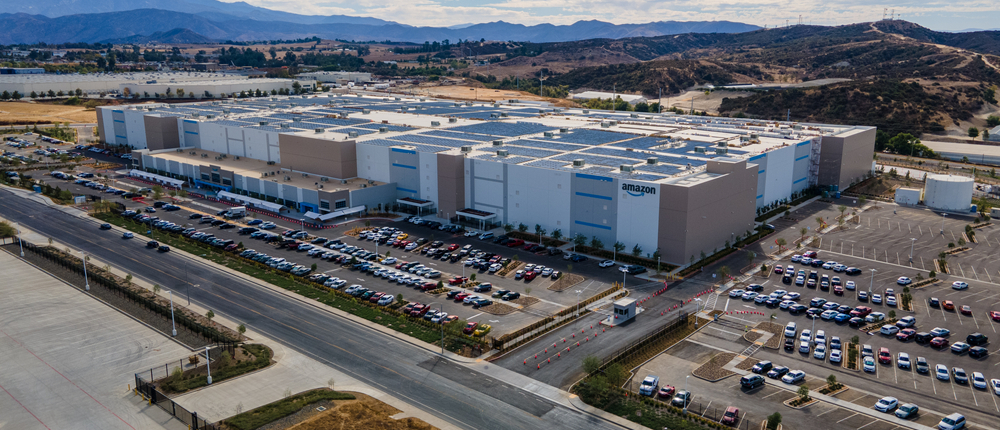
(663,331)
(154,396)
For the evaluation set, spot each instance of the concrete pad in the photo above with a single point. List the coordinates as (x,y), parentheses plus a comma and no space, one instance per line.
(68,359)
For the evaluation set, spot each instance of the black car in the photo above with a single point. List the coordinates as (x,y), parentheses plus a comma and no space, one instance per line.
(977,339)
(152,244)
(922,366)
(755,288)
(817,263)
(934,302)
(105,226)
(163,248)
(218,222)
(789,345)
(171,208)
(194,216)
(634,269)
(222,212)
(227,225)
(853,271)
(762,367)
(856,322)
(923,337)
(159,204)
(978,352)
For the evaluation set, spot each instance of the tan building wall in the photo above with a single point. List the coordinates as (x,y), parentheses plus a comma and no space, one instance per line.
(161,132)
(333,196)
(702,216)
(210,169)
(100,127)
(451,183)
(846,158)
(336,159)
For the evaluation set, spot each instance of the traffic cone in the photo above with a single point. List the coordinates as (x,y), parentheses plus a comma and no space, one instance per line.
(549,360)
(578,344)
(536,356)
(525,361)
(539,366)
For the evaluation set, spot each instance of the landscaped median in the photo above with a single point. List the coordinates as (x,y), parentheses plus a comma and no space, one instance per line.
(323,409)
(247,358)
(389,317)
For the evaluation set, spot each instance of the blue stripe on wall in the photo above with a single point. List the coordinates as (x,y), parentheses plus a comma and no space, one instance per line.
(760,196)
(406,190)
(802,158)
(118,120)
(190,132)
(800,180)
(123,137)
(802,143)
(596,178)
(588,224)
(757,157)
(404,166)
(118,111)
(405,151)
(191,121)
(594,196)
(760,171)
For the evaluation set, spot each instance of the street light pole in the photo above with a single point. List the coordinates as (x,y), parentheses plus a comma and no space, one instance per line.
(912,241)
(173,326)
(943,216)
(85,280)
(19,244)
(578,302)
(686,393)
(872,283)
(208,366)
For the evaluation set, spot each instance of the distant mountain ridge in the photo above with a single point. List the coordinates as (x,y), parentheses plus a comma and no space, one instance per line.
(177,35)
(122,25)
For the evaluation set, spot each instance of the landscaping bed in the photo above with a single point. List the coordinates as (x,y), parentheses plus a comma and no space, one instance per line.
(712,370)
(498,309)
(526,300)
(747,364)
(777,331)
(268,416)
(567,281)
(924,283)
(248,358)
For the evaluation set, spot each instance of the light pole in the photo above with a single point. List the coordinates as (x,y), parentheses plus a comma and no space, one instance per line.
(912,241)
(173,326)
(872,283)
(943,216)
(687,394)
(85,280)
(19,244)
(441,323)
(578,302)
(208,366)
(189,292)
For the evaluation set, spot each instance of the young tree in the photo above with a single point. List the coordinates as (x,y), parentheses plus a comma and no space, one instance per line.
(579,240)
(802,232)
(831,380)
(636,250)
(210,315)
(591,364)
(803,393)
(618,247)
(242,329)
(539,231)
(596,243)
(973,132)
(157,192)
(557,234)
(723,272)
(507,228)
(521,227)
(781,243)
(773,421)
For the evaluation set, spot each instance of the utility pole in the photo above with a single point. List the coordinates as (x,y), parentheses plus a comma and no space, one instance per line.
(614,96)
(659,99)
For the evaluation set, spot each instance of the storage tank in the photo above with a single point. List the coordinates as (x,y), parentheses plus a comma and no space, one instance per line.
(948,192)
(907,196)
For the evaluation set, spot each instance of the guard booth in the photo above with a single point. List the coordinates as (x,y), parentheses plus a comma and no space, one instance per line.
(624,310)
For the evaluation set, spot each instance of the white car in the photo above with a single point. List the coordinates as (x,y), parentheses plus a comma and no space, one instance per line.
(786,304)
(850,285)
(978,380)
(777,294)
(804,346)
(736,293)
(905,322)
(791,296)
(959,285)
(749,295)
(820,352)
(471,299)
(471,233)
(875,317)
(904,281)
(606,263)
(793,377)
(886,404)
(790,329)
(995,383)
(820,337)
(941,371)
(494,267)
(877,299)
(869,364)
(889,330)
(806,335)
(390,260)
(890,300)
(903,360)
(835,356)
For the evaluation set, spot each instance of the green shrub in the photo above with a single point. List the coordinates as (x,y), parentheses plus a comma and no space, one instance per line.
(271,412)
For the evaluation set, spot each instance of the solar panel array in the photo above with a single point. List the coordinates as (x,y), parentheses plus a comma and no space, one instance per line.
(665,169)
(548,164)
(505,160)
(645,142)
(431,140)
(593,159)
(547,144)
(460,135)
(618,153)
(530,152)
(504,128)
(339,121)
(390,127)
(592,137)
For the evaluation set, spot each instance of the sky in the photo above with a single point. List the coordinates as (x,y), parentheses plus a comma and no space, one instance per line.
(938,15)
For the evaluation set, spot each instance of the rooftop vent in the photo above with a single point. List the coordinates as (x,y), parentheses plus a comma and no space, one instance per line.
(352,134)
(458,104)
(452,120)
(578,162)
(564,130)
(284,125)
(652,160)
(180,150)
(497,142)
(435,123)
(503,114)
(320,130)
(586,111)
(366,112)
(548,134)
(625,168)
(634,115)
(209,116)
(721,150)
(324,179)
(192,153)
(237,157)
(502,153)
(383,129)
(262,123)
(397,99)
(466,149)
(204,155)
(699,149)
(605,124)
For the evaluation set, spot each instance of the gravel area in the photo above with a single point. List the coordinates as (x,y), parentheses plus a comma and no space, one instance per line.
(498,309)
(712,370)
(778,332)
(567,281)
(526,300)
(751,336)
(747,364)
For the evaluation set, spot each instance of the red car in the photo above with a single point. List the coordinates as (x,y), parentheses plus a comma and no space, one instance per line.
(731,416)
(906,334)
(232,247)
(530,275)
(948,305)
(374,298)
(449,319)
(409,307)
(861,311)
(419,311)
(884,356)
(453,247)
(470,327)
(428,286)
(778,269)
(515,242)
(528,245)
(401,264)
(810,254)
(966,310)
(458,280)
(838,290)
(995,315)
(461,296)
(939,342)
(294,245)
(666,392)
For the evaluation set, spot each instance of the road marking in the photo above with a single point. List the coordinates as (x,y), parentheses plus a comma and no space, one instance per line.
(726,331)
(852,416)
(971,388)
(476,315)
(955,393)
(866,425)
(974,272)
(727,306)
(995,405)
(895,374)
(828,411)
(921,230)
(960,268)
(909,227)
(991,324)
(706,409)
(774,393)
(933,385)
(975,321)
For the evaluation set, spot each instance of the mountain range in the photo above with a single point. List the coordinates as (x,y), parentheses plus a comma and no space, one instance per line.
(214,20)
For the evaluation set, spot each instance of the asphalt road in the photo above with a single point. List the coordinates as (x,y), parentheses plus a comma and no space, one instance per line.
(459,395)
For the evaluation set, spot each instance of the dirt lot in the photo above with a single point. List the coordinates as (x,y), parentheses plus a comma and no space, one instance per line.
(465,92)
(361,413)
(41,113)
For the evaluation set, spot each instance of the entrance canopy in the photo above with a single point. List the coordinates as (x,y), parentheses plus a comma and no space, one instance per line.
(249,201)
(482,217)
(416,203)
(340,213)
(156,178)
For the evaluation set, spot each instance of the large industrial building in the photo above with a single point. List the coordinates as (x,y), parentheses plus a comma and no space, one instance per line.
(213,88)
(681,184)
(96,83)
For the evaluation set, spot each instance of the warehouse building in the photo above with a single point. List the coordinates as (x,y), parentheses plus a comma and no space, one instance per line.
(683,185)
(213,88)
(339,78)
(95,83)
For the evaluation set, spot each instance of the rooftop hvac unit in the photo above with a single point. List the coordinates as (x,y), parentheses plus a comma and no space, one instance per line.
(502,153)
(699,149)
(288,178)
(271,163)
(324,179)
(541,111)
(466,149)
(634,115)
(385,121)
(548,134)
(613,122)
(272,106)
(192,153)
(423,99)
(343,181)
(383,129)
(435,123)
(320,130)
(625,168)
(497,142)
(352,134)
(578,162)
(209,116)
(556,110)
(452,120)
(284,126)
(364,185)
(605,124)
(204,155)
(218,158)
(494,115)
(689,166)
(754,136)
(503,114)
(263,174)
(371,182)
(180,150)
(305,175)
(262,123)
(225,111)
(321,187)
(563,130)
(458,104)
(397,99)
(296,119)
(586,111)
(468,103)
(237,157)
(723,144)
(652,160)
(721,150)
(194,115)
(366,112)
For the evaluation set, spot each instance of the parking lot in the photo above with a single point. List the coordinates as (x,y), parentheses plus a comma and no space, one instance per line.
(596,279)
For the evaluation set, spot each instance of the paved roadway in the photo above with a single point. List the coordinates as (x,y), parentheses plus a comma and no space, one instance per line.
(460,395)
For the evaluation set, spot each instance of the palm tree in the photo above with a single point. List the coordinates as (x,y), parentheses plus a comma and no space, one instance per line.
(723,271)
(803,232)
(821,222)
(781,243)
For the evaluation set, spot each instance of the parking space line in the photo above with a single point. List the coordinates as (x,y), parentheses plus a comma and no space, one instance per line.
(845,419)
(774,393)
(706,409)
(973,389)
(974,272)
(828,411)
(992,324)
(960,268)
(953,392)
(995,405)
(866,425)
(934,385)
(895,374)
(975,321)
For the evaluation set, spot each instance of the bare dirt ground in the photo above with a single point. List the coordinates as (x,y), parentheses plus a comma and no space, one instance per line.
(478,93)
(40,113)
(702,102)
(361,413)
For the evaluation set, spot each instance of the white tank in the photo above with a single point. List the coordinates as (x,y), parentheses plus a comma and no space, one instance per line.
(948,192)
